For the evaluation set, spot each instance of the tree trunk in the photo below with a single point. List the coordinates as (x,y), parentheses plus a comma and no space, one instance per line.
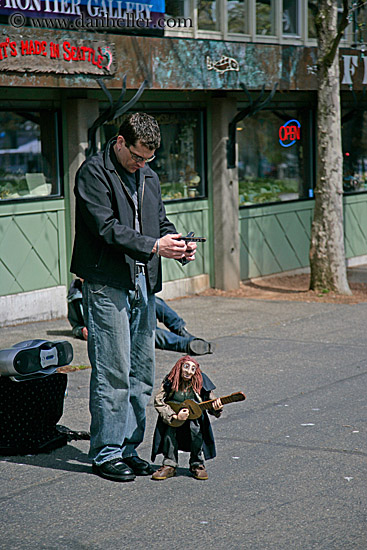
(327,253)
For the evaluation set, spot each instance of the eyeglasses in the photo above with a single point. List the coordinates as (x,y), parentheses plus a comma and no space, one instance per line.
(137,158)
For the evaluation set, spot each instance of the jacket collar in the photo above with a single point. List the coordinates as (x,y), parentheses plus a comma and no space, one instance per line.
(144,172)
(107,154)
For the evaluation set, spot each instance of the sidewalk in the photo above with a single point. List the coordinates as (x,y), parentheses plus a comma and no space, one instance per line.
(291,466)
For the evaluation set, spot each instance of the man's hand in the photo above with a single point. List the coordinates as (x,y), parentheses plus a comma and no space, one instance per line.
(171,247)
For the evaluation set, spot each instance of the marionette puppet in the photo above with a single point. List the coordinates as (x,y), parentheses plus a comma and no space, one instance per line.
(179,426)
(184,398)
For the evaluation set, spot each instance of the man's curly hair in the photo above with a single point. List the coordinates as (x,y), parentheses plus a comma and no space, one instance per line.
(175,375)
(141,127)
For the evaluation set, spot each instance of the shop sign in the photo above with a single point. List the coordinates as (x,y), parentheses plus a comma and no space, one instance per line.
(354,69)
(350,64)
(289,133)
(57,57)
(115,16)
(222,65)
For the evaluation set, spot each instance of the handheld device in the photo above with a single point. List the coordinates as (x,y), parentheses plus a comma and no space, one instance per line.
(191,239)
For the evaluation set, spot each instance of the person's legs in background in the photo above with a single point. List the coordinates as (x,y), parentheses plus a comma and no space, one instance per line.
(168,317)
(164,339)
(177,338)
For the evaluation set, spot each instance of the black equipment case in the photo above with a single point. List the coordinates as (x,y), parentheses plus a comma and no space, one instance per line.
(29,412)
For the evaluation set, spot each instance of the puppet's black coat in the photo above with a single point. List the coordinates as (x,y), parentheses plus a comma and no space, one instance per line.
(183,432)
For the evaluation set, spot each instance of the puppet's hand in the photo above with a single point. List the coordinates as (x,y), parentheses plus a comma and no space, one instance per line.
(217,405)
(183,414)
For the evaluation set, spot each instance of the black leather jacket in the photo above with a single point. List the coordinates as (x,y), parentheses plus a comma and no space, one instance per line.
(106,244)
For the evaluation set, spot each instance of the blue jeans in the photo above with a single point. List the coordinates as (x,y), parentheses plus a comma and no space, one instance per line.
(168,339)
(164,339)
(168,316)
(121,327)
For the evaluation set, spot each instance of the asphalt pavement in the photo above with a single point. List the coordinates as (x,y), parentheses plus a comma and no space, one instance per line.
(291,465)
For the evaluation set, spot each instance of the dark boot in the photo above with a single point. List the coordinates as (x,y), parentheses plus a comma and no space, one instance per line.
(198,346)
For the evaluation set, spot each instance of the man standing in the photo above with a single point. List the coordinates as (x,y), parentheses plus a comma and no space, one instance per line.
(121,230)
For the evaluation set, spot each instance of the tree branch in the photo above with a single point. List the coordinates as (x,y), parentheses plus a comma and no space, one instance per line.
(329,57)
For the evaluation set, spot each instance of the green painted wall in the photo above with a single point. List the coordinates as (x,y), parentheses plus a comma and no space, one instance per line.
(273,238)
(276,237)
(32,246)
(189,216)
(355,225)
(33,253)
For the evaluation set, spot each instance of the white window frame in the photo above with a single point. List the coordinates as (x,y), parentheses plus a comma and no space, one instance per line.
(300,39)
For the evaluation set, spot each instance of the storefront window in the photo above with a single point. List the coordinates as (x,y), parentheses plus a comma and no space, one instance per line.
(178,8)
(179,160)
(360,25)
(290,17)
(237,16)
(29,164)
(265,17)
(311,12)
(208,19)
(354,138)
(267,170)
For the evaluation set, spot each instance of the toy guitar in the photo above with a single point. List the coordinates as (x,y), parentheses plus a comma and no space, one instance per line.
(196,409)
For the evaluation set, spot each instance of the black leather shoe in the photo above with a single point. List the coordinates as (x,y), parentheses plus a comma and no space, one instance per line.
(200,347)
(114,470)
(139,467)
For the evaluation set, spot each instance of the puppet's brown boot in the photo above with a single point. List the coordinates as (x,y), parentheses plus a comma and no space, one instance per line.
(164,472)
(199,472)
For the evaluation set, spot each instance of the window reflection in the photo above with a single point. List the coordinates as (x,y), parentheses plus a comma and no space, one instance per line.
(268,172)
(179,159)
(311,12)
(361,25)
(290,17)
(354,139)
(265,17)
(208,19)
(237,11)
(28,155)
(177,8)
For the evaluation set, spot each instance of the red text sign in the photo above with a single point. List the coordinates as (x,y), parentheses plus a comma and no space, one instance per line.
(290,132)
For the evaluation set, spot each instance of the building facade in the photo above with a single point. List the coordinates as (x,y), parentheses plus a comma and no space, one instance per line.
(233,86)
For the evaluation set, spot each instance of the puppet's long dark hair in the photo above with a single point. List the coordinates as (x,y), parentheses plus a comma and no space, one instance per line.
(175,375)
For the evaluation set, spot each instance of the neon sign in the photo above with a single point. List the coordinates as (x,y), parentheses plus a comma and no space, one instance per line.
(290,132)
